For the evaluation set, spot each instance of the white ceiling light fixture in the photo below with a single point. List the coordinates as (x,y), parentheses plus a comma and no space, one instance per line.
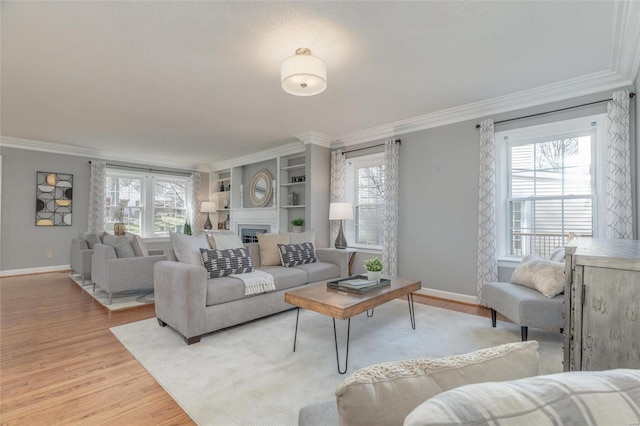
(303,74)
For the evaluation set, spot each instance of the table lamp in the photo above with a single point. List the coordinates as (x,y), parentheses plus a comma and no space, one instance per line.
(208,207)
(340,211)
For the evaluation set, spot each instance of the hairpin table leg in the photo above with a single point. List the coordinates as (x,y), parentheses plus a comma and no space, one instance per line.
(335,336)
(412,312)
(295,336)
(369,316)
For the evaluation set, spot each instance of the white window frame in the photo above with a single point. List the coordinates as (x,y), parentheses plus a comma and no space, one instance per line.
(376,159)
(147,207)
(544,131)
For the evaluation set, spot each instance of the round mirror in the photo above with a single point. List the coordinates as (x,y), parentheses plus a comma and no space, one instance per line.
(260,188)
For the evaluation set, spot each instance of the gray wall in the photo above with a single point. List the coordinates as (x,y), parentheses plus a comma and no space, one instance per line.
(25,245)
(439,197)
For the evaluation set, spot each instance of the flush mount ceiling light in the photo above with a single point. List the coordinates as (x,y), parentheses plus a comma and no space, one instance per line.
(303,74)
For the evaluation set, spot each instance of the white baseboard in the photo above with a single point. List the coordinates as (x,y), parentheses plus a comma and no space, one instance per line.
(28,271)
(464,298)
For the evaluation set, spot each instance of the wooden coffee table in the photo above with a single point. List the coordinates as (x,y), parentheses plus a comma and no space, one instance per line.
(343,305)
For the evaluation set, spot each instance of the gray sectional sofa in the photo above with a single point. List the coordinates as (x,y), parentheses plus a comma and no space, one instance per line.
(194,305)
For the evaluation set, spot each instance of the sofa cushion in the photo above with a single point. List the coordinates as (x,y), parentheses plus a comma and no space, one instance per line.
(384,394)
(226,241)
(320,271)
(302,237)
(599,398)
(543,275)
(187,247)
(296,254)
(269,253)
(139,247)
(121,245)
(221,263)
(91,238)
(285,277)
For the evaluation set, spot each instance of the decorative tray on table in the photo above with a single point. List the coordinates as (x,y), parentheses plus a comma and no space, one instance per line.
(358,284)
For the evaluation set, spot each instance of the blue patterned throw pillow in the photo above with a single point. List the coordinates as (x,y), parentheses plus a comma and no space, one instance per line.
(297,254)
(220,263)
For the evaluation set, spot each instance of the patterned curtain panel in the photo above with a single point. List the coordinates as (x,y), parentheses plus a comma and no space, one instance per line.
(487,262)
(619,212)
(338,179)
(196,220)
(97,196)
(391,194)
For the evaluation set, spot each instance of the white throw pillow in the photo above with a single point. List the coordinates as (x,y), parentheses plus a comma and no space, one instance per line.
(187,247)
(542,275)
(227,241)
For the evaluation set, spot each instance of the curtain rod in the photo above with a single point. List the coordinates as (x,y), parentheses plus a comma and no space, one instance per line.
(398,141)
(631,95)
(147,170)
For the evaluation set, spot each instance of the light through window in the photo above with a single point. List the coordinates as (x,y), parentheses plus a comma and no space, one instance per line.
(551,193)
(365,189)
(155,205)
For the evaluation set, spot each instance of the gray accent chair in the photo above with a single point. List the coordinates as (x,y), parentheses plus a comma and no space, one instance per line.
(524,306)
(80,258)
(116,275)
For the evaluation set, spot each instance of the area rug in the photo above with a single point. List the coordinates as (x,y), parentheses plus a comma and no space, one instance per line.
(249,375)
(121,300)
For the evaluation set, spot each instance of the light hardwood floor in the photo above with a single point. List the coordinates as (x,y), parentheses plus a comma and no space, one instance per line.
(60,364)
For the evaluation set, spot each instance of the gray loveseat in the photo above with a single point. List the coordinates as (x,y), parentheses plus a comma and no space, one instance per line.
(194,305)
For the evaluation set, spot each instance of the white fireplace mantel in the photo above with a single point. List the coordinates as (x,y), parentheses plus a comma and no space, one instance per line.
(265,216)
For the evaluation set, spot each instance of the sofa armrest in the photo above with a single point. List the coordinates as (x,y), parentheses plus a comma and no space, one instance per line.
(99,269)
(132,272)
(80,257)
(181,296)
(337,257)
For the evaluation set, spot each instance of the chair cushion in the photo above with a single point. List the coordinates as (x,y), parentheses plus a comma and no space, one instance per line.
(187,247)
(524,306)
(91,238)
(139,247)
(598,398)
(269,253)
(221,263)
(543,275)
(384,394)
(121,245)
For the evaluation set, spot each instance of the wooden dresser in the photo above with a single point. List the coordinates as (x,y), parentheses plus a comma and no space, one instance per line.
(602,304)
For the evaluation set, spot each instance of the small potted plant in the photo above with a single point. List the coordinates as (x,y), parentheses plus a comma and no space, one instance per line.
(374,269)
(298,224)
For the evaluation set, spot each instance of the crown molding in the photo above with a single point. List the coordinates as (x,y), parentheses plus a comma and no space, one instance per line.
(316,138)
(59,148)
(625,55)
(267,154)
(573,88)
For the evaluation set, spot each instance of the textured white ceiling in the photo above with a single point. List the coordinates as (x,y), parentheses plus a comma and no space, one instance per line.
(198,82)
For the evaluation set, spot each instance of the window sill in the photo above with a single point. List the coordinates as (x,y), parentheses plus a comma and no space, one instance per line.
(509,262)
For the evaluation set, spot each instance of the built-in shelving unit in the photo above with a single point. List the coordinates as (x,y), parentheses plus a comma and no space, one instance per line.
(221,194)
(293,193)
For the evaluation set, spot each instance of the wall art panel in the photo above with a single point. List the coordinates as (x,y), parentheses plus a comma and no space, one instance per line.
(54,199)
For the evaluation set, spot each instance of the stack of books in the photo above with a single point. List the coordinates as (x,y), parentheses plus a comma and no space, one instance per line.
(357,284)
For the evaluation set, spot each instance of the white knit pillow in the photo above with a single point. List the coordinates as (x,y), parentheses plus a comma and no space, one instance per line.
(539,274)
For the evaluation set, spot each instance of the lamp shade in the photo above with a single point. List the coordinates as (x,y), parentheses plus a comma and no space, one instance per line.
(208,207)
(303,74)
(340,211)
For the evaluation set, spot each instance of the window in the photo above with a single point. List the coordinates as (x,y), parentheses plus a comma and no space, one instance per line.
(155,205)
(549,184)
(365,189)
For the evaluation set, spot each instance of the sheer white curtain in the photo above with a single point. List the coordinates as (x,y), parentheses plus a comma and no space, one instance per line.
(391,198)
(97,196)
(619,211)
(487,262)
(338,187)
(196,220)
